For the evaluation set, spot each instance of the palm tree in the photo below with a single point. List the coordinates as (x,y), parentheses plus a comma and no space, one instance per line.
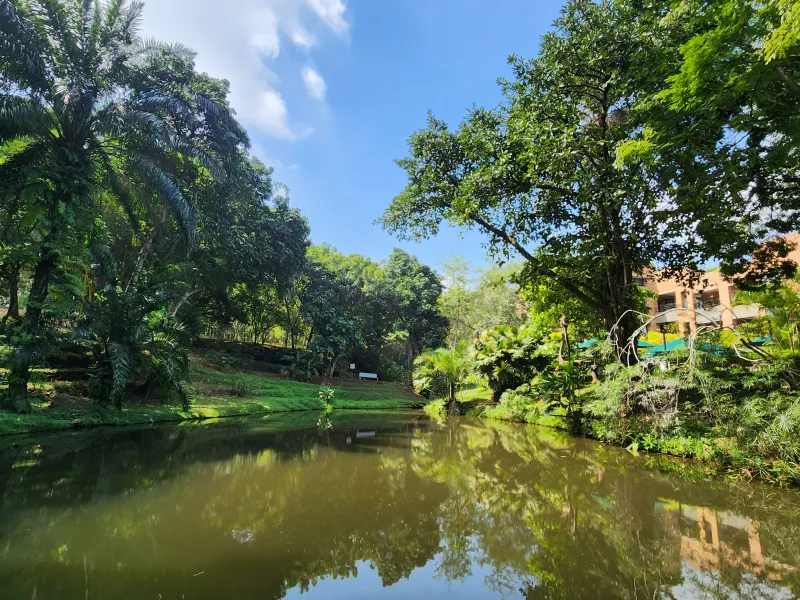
(442,371)
(73,87)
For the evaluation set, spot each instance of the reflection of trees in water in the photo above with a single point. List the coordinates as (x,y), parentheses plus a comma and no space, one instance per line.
(571,519)
(268,521)
(242,512)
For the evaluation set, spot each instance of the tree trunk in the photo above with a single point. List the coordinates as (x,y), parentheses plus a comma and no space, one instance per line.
(564,342)
(333,366)
(453,408)
(145,251)
(181,302)
(13,293)
(20,363)
(623,329)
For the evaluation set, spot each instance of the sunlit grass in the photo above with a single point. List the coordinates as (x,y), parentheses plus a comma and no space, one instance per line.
(210,391)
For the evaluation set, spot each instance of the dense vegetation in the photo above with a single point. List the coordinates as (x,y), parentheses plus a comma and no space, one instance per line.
(134,222)
(644,140)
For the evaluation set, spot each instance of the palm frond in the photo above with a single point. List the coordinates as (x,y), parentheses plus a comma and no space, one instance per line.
(169,193)
(174,106)
(124,369)
(20,116)
(59,22)
(21,49)
(211,163)
(13,169)
(93,29)
(150,47)
(117,120)
(125,194)
(131,20)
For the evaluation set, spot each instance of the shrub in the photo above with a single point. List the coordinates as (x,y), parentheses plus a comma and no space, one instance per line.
(240,388)
(521,405)
(326,396)
(509,357)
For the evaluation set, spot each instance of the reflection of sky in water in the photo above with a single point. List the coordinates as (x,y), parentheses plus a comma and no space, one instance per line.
(421,585)
(698,585)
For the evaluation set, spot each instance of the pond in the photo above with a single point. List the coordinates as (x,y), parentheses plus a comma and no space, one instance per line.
(379,506)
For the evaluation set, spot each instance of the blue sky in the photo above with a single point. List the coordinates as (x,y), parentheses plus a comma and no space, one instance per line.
(330,90)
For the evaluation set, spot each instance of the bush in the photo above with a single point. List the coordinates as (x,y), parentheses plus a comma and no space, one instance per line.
(133,346)
(326,396)
(746,415)
(240,388)
(521,404)
(509,357)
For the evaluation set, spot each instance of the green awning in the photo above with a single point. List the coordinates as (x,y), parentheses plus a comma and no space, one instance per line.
(678,344)
(588,343)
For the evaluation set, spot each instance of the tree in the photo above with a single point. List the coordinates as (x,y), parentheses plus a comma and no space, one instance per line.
(68,73)
(442,371)
(782,307)
(723,132)
(509,357)
(541,176)
(474,304)
(458,300)
(326,299)
(416,289)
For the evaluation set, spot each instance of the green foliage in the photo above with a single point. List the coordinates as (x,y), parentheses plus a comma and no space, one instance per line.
(781,305)
(133,344)
(326,395)
(472,305)
(524,404)
(416,289)
(302,365)
(559,385)
(240,388)
(710,407)
(508,357)
(442,372)
(561,203)
(723,133)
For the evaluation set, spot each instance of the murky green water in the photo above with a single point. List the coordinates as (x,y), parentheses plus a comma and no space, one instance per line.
(379,507)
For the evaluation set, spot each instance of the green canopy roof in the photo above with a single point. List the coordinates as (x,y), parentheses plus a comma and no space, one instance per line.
(593,341)
(678,344)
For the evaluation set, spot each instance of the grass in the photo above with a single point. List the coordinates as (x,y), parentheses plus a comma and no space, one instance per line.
(216,392)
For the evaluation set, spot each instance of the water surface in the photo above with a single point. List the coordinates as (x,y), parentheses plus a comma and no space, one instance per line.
(379,506)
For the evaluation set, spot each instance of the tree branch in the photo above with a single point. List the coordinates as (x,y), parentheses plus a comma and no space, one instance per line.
(565,282)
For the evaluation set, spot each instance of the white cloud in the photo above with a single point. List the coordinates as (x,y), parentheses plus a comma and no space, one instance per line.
(315,84)
(238,44)
(332,12)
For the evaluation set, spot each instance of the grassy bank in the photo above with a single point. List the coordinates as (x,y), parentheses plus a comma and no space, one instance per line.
(215,392)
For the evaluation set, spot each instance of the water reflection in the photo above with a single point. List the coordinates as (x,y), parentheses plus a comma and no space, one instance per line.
(379,506)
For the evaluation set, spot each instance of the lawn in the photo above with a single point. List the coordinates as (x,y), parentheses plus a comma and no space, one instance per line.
(215,392)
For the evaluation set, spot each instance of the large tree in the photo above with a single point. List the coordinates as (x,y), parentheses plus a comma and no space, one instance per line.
(416,290)
(724,133)
(74,85)
(541,175)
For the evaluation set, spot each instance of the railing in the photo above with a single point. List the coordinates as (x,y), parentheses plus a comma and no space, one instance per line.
(707,303)
(663,306)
